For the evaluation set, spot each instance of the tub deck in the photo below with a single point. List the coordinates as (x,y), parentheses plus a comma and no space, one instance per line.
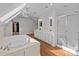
(12,50)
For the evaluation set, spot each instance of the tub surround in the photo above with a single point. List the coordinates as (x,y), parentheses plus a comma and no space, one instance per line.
(32,48)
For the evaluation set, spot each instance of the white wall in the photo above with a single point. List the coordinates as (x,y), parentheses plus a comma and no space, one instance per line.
(8,29)
(1,32)
(26,26)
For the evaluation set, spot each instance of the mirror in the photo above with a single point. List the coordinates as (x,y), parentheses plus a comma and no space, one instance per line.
(50,19)
(41,23)
(50,22)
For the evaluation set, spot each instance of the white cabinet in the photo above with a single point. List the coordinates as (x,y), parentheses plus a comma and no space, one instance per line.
(36,33)
(46,32)
(61,30)
(51,39)
(46,36)
(73,31)
(68,31)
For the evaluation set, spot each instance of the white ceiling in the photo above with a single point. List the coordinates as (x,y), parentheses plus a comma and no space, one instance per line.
(46,9)
(66,8)
(38,9)
(41,9)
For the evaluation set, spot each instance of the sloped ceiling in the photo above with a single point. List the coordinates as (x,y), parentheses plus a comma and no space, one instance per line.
(48,9)
(41,9)
(66,8)
(37,9)
(7,7)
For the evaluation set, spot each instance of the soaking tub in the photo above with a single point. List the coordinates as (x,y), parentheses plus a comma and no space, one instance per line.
(16,41)
(20,45)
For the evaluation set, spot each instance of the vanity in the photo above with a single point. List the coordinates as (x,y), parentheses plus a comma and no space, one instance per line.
(46,33)
(67,32)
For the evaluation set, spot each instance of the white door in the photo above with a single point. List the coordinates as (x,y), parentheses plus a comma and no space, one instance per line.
(61,30)
(72,31)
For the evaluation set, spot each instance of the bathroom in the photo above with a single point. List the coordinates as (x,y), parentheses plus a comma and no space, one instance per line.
(27,28)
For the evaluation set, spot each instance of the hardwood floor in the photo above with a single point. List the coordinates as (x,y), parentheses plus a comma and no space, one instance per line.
(48,50)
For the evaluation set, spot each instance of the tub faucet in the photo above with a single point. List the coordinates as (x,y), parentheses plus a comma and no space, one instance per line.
(1,47)
(6,47)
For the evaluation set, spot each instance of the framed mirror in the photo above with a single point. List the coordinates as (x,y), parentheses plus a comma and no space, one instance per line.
(50,20)
(40,23)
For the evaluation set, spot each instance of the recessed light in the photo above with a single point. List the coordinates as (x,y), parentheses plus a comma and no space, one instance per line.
(65,6)
(46,6)
(76,11)
(51,4)
(34,12)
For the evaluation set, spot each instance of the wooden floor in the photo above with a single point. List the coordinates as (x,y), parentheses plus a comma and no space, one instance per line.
(48,50)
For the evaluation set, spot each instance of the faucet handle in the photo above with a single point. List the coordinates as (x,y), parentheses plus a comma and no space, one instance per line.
(5,47)
(1,47)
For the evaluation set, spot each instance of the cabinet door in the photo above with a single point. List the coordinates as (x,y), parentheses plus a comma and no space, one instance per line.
(52,40)
(36,33)
(72,31)
(47,37)
(61,30)
(17,53)
(41,34)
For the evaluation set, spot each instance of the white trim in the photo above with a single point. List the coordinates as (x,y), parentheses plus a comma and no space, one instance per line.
(11,13)
(13,16)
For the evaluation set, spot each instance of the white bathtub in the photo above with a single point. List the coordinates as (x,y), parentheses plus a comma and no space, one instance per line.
(20,45)
(16,41)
